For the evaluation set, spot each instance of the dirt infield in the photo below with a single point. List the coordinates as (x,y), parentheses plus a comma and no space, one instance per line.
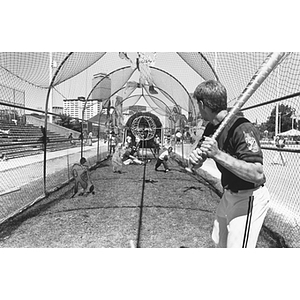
(167,210)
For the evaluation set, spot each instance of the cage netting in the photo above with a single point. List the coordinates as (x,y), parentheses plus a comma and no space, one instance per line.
(274,108)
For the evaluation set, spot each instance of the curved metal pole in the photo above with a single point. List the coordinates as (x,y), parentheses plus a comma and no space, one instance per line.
(88,97)
(155,68)
(98,147)
(209,64)
(164,92)
(81,134)
(206,60)
(107,76)
(171,98)
(265,69)
(99,133)
(46,115)
(125,99)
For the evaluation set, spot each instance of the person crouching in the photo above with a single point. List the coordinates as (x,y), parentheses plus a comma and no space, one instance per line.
(163,159)
(116,160)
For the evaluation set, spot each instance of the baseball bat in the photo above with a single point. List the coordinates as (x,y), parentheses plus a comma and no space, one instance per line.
(261,74)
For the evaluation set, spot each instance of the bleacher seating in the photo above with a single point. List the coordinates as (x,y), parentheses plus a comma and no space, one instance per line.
(25,140)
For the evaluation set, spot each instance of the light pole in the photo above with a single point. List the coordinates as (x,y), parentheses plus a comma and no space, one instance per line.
(293,117)
(276,120)
(279,123)
(52,65)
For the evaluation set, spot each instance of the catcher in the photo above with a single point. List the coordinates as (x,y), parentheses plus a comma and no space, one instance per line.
(81,175)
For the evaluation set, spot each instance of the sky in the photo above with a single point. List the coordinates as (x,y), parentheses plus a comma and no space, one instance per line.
(235,70)
(170,62)
(235,74)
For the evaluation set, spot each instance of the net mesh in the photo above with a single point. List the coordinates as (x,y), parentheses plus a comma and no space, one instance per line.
(34,67)
(25,78)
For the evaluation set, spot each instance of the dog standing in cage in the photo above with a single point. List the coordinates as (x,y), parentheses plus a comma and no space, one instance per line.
(238,156)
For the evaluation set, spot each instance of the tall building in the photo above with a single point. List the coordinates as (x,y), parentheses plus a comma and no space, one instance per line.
(100,96)
(74,108)
(71,107)
(57,109)
(89,109)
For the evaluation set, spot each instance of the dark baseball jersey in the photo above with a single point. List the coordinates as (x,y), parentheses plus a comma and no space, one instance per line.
(239,139)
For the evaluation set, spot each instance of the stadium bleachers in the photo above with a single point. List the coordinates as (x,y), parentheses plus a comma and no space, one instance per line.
(25,140)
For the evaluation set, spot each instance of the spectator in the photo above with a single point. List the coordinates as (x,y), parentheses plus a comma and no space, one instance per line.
(7,132)
(90,139)
(80,137)
(3,157)
(117,159)
(166,141)
(178,136)
(137,142)
(44,138)
(278,157)
(71,139)
(128,141)
(85,136)
(112,145)
(156,144)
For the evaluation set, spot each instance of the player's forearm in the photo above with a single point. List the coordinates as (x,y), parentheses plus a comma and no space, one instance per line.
(252,172)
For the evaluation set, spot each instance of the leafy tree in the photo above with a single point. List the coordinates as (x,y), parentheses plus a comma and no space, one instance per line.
(65,120)
(285,112)
(69,122)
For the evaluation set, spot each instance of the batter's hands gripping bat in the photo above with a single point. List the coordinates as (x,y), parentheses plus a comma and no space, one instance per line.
(262,73)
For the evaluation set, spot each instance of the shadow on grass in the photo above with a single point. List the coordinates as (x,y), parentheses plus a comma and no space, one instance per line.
(9,226)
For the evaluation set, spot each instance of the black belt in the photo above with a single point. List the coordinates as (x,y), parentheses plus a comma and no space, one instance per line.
(237,190)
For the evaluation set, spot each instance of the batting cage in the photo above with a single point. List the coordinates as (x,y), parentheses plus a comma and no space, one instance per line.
(64,114)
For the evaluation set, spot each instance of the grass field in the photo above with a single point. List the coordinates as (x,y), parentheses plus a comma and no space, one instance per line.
(167,210)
